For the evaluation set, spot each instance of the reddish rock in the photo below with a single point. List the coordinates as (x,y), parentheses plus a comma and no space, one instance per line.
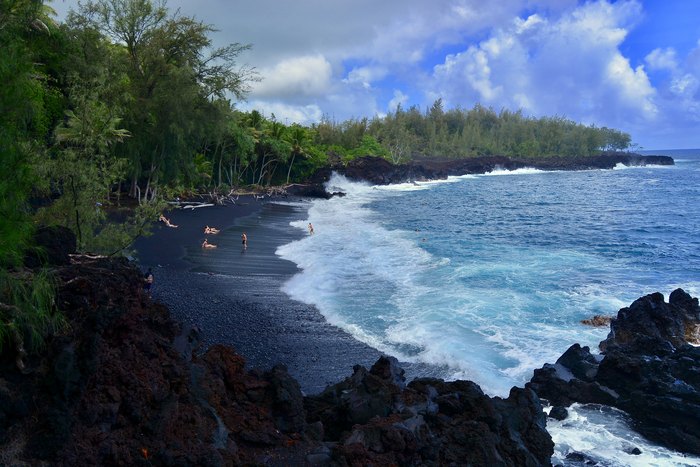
(120,388)
(597,321)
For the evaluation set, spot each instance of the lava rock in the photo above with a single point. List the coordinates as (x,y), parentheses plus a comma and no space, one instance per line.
(648,369)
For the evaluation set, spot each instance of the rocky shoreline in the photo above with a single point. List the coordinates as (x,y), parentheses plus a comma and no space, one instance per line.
(382,172)
(649,367)
(129,385)
(126,386)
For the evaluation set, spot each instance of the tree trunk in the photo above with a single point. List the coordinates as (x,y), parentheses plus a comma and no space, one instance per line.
(289,171)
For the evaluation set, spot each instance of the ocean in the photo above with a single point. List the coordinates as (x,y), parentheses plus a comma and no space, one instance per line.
(487,277)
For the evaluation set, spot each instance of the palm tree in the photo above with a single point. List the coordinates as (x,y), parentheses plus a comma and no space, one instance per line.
(298,137)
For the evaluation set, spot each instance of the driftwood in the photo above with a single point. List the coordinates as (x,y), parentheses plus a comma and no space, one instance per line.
(198,205)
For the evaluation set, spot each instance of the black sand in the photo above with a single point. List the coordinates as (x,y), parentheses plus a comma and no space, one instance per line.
(234,297)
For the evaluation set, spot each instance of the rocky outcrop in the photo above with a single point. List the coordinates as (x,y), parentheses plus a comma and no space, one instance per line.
(117,390)
(379,171)
(125,385)
(376,419)
(647,367)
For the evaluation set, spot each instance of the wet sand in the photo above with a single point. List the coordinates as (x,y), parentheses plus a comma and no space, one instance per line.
(233,294)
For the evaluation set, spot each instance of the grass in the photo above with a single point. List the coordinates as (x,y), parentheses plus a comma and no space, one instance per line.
(28,313)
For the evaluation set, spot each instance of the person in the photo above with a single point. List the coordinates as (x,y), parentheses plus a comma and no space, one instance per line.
(148,281)
(211,230)
(206,244)
(244,240)
(311,229)
(162,218)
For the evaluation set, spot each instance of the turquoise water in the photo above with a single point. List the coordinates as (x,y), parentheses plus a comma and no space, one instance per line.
(487,277)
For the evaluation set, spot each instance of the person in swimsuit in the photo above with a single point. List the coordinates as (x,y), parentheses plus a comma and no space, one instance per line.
(167,221)
(311,229)
(206,244)
(244,240)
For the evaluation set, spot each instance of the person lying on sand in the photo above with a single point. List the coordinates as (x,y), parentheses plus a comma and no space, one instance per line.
(211,230)
(206,244)
(162,218)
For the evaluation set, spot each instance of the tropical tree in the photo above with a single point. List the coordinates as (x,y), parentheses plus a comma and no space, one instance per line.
(298,138)
(85,169)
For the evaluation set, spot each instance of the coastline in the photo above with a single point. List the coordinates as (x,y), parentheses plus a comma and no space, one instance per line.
(234,297)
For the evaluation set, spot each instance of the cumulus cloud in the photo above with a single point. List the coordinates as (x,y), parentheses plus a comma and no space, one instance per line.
(306,76)
(570,65)
(364,76)
(679,95)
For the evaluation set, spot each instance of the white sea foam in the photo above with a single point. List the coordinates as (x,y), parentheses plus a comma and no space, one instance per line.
(621,166)
(523,171)
(604,435)
(386,290)
(490,313)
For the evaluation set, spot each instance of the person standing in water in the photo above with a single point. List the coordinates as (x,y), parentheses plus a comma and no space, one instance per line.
(311,229)
(244,240)
(148,281)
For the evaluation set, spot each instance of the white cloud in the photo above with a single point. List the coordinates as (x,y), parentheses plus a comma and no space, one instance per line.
(364,76)
(662,59)
(569,66)
(549,57)
(285,113)
(686,85)
(399,99)
(306,76)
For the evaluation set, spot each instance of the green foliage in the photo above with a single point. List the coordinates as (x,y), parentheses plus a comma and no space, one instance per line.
(124,227)
(369,146)
(458,133)
(84,168)
(27,310)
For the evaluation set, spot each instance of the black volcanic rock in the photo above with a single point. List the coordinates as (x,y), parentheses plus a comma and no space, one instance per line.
(379,171)
(674,323)
(376,421)
(648,369)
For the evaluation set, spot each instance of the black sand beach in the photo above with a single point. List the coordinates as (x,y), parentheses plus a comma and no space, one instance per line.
(234,297)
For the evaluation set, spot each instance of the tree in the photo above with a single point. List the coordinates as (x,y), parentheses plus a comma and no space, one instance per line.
(85,169)
(174,77)
(298,138)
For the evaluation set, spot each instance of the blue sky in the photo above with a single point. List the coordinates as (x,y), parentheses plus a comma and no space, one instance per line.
(633,65)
